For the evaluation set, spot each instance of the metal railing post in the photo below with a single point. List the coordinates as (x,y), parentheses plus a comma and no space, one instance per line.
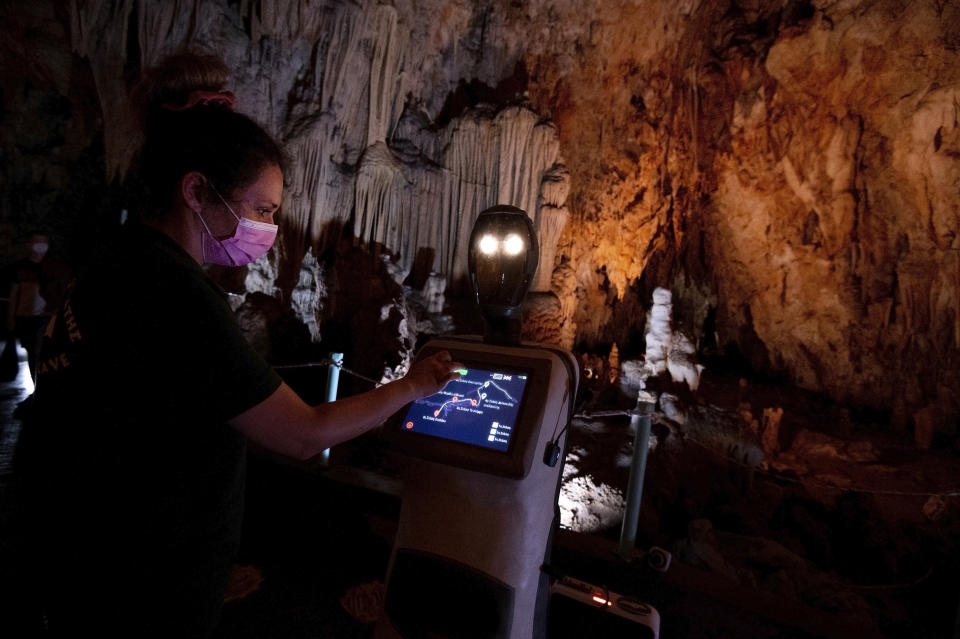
(640,421)
(333,380)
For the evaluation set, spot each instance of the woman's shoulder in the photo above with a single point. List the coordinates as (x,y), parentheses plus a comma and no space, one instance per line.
(139,264)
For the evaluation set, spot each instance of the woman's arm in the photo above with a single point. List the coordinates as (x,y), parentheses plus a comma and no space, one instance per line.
(286,424)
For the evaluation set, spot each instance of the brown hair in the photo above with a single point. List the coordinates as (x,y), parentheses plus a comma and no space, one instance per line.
(229,148)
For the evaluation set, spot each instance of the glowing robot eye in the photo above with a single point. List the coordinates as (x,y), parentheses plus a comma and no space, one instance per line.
(488,245)
(513,245)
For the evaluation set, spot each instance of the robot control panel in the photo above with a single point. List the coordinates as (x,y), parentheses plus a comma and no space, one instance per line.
(487,421)
(480,408)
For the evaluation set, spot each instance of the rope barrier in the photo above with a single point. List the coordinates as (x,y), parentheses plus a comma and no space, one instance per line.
(910,584)
(853,586)
(329,362)
(778,477)
(855,489)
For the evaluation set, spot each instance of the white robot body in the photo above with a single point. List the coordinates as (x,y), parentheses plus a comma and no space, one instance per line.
(476,522)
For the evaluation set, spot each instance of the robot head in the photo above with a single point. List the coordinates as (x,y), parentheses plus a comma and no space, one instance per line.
(502,259)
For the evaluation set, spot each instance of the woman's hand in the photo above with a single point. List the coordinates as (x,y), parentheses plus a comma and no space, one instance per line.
(286,425)
(431,374)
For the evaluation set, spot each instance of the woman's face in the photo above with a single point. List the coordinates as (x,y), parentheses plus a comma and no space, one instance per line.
(258,201)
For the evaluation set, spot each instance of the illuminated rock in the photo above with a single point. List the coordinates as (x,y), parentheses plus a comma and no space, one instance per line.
(788,170)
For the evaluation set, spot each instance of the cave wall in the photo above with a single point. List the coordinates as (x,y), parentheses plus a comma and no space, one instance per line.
(791,168)
(842,163)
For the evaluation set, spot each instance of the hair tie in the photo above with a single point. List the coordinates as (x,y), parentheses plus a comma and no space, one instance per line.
(203,98)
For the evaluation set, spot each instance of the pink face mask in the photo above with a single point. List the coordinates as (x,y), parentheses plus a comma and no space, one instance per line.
(250,241)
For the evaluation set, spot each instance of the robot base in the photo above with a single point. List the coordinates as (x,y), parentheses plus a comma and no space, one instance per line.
(480,486)
(579,609)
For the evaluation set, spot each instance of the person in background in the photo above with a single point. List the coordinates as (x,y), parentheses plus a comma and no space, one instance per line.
(38,283)
(131,462)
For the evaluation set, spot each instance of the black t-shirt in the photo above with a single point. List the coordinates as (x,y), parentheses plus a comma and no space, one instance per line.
(132,478)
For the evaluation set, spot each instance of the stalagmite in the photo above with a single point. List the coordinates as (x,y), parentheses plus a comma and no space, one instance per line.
(261,276)
(306,299)
(433,293)
(770,431)
(613,361)
(659,331)
(682,361)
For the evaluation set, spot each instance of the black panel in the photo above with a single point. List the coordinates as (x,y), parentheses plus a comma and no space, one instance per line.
(429,597)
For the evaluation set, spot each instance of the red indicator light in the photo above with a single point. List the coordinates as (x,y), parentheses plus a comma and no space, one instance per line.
(600,600)
(409,425)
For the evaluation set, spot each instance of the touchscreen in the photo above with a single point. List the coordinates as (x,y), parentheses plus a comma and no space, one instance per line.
(480,408)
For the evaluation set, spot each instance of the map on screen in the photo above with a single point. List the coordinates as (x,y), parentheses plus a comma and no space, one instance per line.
(480,408)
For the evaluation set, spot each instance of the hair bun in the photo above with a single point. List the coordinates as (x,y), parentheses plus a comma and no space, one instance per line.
(182,81)
(203,98)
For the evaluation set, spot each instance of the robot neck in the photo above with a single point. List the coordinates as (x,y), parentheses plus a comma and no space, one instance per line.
(503,331)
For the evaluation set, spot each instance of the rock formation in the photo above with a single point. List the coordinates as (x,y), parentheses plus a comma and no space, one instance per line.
(788,168)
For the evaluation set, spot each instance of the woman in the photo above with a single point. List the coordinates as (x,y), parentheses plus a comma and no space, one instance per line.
(133,456)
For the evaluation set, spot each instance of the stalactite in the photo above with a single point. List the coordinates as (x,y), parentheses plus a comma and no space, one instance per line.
(378,200)
(163,26)
(470,158)
(284,19)
(350,62)
(553,219)
(98,31)
(405,206)
(344,66)
(325,141)
(945,298)
(526,152)
(953,274)
(553,216)
(913,299)
(555,186)
(396,205)
(386,81)
(564,284)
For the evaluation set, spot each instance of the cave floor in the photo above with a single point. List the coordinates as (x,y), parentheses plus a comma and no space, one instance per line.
(838,513)
(316,541)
